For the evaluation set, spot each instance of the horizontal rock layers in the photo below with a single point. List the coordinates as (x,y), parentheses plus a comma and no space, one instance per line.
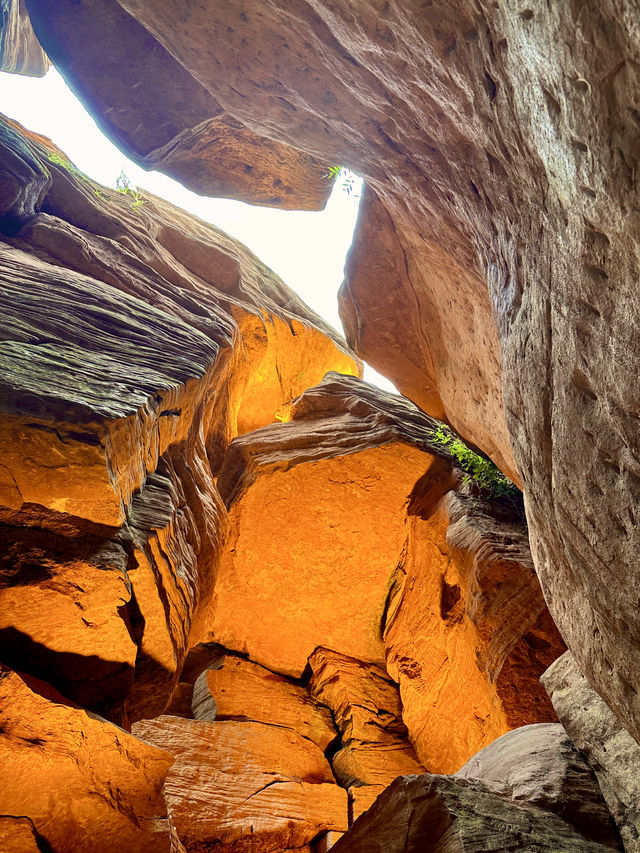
(136,342)
(441,592)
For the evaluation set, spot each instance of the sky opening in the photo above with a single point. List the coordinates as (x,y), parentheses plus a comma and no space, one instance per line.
(306,249)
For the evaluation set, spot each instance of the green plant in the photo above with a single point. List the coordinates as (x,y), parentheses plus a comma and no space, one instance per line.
(478,468)
(125,186)
(345,176)
(60,160)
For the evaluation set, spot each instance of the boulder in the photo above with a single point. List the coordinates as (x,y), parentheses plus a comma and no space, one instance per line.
(82,782)
(242,786)
(452,815)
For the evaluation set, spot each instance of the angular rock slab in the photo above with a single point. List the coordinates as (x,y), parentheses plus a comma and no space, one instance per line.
(442,814)
(241,786)
(242,690)
(609,748)
(83,782)
(538,765)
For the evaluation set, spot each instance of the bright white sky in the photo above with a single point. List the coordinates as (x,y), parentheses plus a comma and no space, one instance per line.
(307,250)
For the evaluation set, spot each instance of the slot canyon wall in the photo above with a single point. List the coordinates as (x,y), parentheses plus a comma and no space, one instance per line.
(241,590)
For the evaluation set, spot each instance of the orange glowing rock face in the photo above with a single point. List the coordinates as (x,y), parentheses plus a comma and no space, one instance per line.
(308,546)
(229,776)
(349,532)
(85,783)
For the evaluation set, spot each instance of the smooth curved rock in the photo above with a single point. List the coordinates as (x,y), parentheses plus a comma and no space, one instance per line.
(20,51)
(538,765)
(450,815)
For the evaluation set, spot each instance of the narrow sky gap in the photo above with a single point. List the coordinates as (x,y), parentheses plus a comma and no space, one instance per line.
(306,249)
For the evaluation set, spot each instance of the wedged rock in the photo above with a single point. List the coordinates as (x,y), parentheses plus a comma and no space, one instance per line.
(20,51)
(366,706)
(242,690)
(244,786)
(538,765)
(84,783)
(610,750)
(163,117)
(136,342)
(436,578)
(200,657)
(450,815)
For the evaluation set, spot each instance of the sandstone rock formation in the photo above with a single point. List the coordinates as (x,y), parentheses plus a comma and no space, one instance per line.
(240,786)
(609,748)
(84,783)
(441,593)
(136,342)
(500,146)
(453,815)
(20,50)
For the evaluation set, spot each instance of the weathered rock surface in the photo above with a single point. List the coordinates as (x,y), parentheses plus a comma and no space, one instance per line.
(20,50)
(610,750)
(538,765)
(18,835)
(501,146)
(366,706)
(242,690)
(444,590)
(163,117)
(450,815)
(84,783)
(245,786)
(136,342)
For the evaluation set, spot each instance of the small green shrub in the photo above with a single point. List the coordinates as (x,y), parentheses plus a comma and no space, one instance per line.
(478,468)
(344,176)
(59,160)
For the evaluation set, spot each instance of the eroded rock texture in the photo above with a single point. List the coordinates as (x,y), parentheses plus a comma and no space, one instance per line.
(84,783)
(20,50)
(136,342)
(450,815)
(244,786)
(499,143)
(437,581)
(609,748)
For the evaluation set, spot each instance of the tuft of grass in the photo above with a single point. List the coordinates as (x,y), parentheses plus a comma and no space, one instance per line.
(478,468)
(59,160)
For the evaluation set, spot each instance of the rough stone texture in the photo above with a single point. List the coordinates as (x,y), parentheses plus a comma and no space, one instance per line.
(449,815)
(539,765)
(18,835)
(163,117)
(242,690)
(245,786)
(366,706)
(83,782)
(20,51)
(501,141)
(444,590)
(136,342)
(610,750)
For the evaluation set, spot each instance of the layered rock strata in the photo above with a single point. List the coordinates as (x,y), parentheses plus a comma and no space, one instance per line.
(137,341)
(20,50)
(500,148)
(438,581)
